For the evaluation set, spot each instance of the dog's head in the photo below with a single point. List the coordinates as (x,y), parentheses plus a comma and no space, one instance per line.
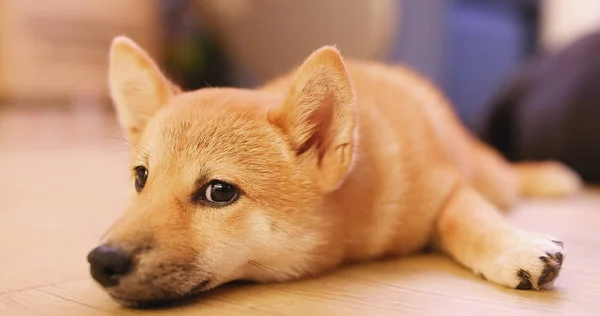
(226,183)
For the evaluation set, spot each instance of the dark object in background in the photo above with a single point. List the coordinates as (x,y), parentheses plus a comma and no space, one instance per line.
(551,110)
(192,56)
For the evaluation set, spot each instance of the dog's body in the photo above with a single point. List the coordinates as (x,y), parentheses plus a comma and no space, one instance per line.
(337,162)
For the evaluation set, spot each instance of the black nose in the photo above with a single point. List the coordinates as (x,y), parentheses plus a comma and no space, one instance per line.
(108,264)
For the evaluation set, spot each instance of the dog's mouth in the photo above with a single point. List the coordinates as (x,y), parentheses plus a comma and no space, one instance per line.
(164,300)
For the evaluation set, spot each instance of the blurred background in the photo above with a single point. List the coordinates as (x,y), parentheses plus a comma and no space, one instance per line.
(53,60)
(522,74)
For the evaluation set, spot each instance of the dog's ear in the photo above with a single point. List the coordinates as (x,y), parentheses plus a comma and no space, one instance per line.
(318,116)
(137,87)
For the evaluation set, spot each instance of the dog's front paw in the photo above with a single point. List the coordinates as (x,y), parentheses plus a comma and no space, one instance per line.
(533,262)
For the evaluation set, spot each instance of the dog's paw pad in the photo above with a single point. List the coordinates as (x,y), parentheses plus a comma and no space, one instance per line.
(552,265)
(542,274)
(525,283)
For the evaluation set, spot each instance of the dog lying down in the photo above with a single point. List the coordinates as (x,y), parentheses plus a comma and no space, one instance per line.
(340,161)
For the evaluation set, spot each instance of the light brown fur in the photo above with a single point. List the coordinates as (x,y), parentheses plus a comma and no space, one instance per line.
(339,161)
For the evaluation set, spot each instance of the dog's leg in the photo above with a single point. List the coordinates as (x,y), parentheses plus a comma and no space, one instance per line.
(495,178)
(502,183)
(547,179)
(475,234)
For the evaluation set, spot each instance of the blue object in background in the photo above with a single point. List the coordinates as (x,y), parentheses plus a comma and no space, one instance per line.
(467,47)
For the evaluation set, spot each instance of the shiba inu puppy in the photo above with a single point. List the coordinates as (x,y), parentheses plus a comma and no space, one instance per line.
(340,161)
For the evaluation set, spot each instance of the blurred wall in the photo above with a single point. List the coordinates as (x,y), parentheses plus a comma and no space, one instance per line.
(266,38)
(420,42)
(564,21)
(58,50)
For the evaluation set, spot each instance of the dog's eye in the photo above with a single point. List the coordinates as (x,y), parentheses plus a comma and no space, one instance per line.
(219,192)
(141,175)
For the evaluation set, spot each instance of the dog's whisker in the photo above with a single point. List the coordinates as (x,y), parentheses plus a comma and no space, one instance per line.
(107,232)
(108,137)
(283,230)
(118,151)
(268,269)
(139,149)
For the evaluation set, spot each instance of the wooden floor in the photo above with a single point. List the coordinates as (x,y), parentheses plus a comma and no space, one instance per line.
(63,181)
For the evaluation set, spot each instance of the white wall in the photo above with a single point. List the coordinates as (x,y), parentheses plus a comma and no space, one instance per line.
(565,20)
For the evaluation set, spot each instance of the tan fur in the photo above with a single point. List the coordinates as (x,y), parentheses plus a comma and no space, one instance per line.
(339,161)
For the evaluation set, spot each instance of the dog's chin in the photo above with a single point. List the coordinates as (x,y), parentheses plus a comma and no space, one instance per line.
(165,299)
